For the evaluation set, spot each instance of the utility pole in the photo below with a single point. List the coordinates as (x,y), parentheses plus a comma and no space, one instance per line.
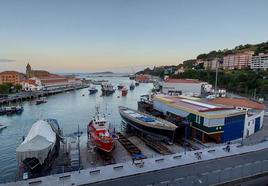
(216,80)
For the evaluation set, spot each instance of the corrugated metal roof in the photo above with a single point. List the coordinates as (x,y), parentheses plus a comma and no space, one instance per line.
(169,80)
(239,102)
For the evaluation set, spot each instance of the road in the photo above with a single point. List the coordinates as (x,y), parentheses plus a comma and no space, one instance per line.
(203,173)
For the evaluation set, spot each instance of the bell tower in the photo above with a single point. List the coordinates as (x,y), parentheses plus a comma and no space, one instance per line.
(28,71)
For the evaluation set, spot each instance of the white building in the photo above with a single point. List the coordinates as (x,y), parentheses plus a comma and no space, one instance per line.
(32,84)
(50,82)
(190,87)
(259,62)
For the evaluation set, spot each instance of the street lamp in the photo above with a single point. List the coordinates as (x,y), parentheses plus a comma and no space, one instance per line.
(220,61)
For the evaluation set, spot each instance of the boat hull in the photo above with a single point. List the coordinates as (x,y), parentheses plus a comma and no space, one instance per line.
(165,133)
(120,87)
(102,144)
(131,87)
(107,92)
(93,91)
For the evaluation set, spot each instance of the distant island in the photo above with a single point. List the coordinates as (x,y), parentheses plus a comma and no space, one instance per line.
(103,73)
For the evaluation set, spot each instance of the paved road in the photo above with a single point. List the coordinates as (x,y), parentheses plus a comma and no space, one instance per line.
(202,173)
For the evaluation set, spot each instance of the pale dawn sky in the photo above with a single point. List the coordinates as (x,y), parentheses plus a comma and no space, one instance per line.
(96,35)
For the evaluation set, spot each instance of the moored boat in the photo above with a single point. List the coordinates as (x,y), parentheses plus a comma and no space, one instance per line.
(148,124)
(19,109)
(124,91)
(40,147)
(92,90)
(2,126)
(132,86)
(120,86)
(137,83)
(98,133)
(107,89)
(132,76)
(41,100)
(10,110)
(2,111)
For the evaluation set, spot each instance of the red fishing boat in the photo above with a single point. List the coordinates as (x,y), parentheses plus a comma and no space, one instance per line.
(124,91)
(98,133)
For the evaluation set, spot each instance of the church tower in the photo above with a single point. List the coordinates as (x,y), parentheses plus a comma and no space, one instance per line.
(28,71)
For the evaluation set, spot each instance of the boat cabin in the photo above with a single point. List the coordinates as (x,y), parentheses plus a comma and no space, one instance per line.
(100,124)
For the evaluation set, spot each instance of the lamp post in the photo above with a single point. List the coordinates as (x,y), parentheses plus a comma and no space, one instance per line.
(216,79)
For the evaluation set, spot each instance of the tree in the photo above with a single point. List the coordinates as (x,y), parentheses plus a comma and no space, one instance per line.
(17,87)
(4,88)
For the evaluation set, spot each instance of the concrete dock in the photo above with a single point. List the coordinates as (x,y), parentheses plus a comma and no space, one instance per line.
(215,166)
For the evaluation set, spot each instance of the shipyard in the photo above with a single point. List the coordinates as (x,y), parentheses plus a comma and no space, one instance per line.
(160,123)
(136,93)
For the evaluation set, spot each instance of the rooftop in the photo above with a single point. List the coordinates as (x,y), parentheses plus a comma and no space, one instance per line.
(11,72)
(169,80)
(239,102)
(198,107)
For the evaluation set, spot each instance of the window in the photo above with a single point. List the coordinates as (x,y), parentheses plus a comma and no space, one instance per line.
(197,119)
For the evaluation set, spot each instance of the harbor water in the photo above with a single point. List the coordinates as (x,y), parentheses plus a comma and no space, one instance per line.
(71,109)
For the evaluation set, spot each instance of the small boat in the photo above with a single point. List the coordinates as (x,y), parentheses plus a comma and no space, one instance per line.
(92,90)
(10,110)
(19,109)
(2,111)
(98,133)
(124,91)
(41,100)
(148,124)
(132,76)
(2,126)
(132,86)
(107,89)
(40,147)
(120,86)
(137,83)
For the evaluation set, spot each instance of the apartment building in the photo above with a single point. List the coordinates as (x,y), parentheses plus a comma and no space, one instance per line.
(259,61)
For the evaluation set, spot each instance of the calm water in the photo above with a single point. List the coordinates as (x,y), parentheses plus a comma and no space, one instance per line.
(70,109)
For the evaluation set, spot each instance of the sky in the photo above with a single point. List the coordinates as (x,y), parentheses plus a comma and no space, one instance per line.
(123,35)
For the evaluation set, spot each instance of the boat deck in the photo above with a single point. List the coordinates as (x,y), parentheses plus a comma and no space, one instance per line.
(145,118)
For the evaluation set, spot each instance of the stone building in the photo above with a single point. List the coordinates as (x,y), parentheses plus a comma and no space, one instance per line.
(11,77)
(35,73)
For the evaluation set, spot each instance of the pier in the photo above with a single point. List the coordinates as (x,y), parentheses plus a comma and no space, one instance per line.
(23,96)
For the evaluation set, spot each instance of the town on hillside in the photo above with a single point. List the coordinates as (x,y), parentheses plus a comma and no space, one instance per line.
(242,70)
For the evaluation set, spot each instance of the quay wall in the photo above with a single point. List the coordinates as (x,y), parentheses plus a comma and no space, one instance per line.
(32,95)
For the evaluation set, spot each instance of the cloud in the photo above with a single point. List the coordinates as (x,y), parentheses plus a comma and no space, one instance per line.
(3,60)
